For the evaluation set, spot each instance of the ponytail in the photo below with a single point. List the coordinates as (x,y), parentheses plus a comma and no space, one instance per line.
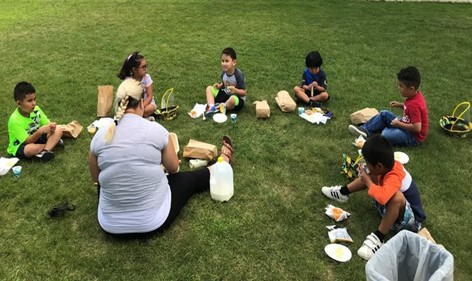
(120,111)
(129,94)
(131,61)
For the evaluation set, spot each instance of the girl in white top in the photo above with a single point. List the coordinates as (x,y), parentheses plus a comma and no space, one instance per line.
(135,66)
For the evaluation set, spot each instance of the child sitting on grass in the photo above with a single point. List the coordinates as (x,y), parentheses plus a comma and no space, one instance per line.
(30,132)
(409,130)
(135,67)
(392,189)
(231,91)
(312,90)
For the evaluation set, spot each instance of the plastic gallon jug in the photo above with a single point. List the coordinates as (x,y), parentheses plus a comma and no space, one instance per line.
(221,181)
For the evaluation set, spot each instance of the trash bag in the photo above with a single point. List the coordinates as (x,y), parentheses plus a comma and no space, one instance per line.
(408,256)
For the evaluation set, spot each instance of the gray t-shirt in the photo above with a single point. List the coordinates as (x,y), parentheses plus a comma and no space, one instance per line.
(236,79)
(135,195)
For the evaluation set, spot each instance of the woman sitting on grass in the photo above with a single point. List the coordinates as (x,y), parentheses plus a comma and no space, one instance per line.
(136,198)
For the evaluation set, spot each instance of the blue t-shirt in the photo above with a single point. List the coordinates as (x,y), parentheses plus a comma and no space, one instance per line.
(320,78)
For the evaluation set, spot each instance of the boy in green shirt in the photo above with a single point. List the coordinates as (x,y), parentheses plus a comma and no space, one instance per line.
(30,132)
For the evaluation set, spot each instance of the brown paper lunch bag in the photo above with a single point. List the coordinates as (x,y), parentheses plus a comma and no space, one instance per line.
(105,100)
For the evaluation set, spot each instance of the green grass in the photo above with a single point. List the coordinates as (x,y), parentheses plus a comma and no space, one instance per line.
(274,227)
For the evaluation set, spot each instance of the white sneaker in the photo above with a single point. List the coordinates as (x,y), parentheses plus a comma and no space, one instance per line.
(371,245)
(357,131)
(334,192)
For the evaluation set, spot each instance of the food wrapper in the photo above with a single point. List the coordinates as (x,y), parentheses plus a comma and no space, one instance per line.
(6,164)
(339,235)
(197,111)
(337,214)
(359,142)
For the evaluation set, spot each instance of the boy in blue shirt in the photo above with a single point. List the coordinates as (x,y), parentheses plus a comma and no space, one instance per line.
(30,132)
(231,91)
(312,90)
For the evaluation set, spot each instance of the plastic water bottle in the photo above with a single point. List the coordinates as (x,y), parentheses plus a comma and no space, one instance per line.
(221,181)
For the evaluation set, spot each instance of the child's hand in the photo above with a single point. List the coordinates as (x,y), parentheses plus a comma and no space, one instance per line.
(52,127)
(45,129)
(216,85)
(364,174)
(395,122)
(232,89)
(396,104)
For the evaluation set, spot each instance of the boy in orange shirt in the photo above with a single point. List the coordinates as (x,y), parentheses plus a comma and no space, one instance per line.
(392,189)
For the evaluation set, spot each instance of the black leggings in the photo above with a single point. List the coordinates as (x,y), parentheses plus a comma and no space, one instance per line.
(182,186)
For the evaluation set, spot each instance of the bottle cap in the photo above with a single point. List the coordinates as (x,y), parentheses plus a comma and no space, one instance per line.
(221,159)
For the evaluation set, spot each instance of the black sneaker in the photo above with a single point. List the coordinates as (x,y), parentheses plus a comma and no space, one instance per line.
(45,155)
(60,143)
(315,104)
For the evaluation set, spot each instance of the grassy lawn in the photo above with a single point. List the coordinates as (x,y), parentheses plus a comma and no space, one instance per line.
(274,227)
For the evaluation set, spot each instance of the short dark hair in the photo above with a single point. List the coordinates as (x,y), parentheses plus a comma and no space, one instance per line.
(131,61)
(313,59)
(410,76)
(229,52)
(377,149)
(22,89)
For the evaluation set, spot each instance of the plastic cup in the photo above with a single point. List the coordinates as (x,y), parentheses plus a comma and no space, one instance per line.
(92,129)
(234,117)
(301,110)
(16,171)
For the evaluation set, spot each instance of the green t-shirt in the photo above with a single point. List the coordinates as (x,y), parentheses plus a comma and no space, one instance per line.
(20,127)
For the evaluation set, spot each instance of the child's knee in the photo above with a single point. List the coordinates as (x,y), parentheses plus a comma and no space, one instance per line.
(231,102)
(324,96)
(58,131)
(398,199)
(32,149)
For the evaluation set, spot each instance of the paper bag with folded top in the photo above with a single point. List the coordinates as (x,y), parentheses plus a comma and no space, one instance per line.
(285,101)
(262,109)
(363,115)
(199,150)
(105,100)
(71,130)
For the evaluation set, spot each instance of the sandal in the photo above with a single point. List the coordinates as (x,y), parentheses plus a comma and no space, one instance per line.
(60,209)
(228,152)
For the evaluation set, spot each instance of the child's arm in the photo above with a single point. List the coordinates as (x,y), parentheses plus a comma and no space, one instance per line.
(383,193)
(396,104)
(236,91)
(315,85)
(45,129)
(149,95)
(414,128)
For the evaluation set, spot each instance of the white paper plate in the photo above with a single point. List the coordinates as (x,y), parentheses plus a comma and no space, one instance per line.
(401,157)
(220,118)
(338,252)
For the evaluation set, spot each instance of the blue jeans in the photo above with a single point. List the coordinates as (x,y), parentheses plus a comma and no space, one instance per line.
(396,136)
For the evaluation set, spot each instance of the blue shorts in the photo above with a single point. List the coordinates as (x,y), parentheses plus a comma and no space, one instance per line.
(408,222)
(20,153)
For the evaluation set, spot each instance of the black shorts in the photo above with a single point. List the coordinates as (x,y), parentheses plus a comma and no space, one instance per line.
(20,153)
(222,97)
